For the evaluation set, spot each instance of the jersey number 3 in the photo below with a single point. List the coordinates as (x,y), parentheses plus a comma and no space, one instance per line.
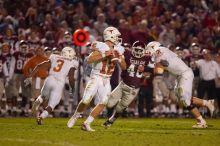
(59,65)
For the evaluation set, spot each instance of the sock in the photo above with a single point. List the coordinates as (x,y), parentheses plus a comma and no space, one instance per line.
(205,102)
(77,115)
(44,114)
(89,120)
(200,119)
(173,108)
(112,118)
(40,99)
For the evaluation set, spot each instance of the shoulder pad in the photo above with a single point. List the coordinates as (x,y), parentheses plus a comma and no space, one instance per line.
(120,49)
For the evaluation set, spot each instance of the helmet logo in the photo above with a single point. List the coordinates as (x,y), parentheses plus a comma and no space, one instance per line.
(110,31)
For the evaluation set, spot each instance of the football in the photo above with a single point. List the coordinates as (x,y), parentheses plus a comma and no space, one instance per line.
(141,68)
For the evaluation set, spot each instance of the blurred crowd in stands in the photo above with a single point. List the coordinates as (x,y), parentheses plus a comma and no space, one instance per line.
(37,28)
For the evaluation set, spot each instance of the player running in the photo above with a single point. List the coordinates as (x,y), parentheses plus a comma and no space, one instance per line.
(184,76)
(60,67)
(128,88)
(103,58)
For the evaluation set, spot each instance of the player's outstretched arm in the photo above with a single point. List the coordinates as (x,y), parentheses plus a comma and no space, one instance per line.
(122,62)
(96,56)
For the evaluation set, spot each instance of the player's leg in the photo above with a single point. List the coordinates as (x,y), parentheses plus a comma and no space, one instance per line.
(207,103)
(89,92)
(55,94)
(2,103)
(128,95)
(104,91)
(114,98)
(36,105)
(45,92)
(10,91)
(185,95)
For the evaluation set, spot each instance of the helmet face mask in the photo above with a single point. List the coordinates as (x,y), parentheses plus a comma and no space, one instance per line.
(68,52)
(138,49)
(112,34)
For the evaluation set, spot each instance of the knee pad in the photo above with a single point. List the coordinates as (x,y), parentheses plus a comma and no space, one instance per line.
(111,104)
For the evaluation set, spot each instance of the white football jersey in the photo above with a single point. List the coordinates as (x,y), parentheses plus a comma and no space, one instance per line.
(60,66)
(175,65)
(106,67)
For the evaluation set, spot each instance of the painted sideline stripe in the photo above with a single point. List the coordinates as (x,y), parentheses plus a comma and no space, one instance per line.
(37,142)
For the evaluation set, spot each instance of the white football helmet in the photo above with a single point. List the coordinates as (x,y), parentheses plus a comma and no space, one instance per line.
(68,52)
(112,34)
(152,48)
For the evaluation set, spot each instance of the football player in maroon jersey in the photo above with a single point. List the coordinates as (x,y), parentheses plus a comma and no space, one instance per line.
(128,88)
(3,76)
(16,76)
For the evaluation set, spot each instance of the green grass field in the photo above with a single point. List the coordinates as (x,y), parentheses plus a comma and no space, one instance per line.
(125,132)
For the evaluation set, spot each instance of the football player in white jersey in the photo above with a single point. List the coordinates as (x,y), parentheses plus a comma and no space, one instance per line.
(60,67)
(184,76)
(104,57)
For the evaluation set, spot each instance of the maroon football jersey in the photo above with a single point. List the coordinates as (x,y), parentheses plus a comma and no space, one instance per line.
(20,58)
(131,76)
(29,55)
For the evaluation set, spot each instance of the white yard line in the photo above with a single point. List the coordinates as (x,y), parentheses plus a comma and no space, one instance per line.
(37,141)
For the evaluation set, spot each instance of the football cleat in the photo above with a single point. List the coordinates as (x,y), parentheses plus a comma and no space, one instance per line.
(73,120)
(86,127)
(39,120)
(211,106)
(107,124)
(200,125)
(35,107)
